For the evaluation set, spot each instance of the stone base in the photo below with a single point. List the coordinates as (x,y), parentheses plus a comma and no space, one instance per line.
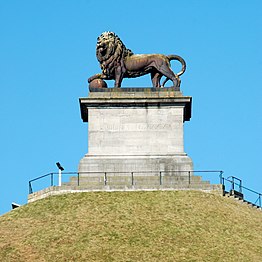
(135,130)
(143,163)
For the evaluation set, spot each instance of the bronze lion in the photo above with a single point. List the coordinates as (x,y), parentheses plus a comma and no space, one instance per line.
(118,62)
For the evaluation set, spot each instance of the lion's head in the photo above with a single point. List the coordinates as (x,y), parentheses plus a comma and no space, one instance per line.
(110,50)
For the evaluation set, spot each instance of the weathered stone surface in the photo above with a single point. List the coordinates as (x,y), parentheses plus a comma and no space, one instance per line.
(135,163)
(135,130)
(135,97)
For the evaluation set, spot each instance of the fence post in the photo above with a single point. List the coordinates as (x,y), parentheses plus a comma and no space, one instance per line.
(240,186)
(232,184)
(78,180)
(30,188)
(221,177)
(132,178)
(189,182)
(105,179)
(160,178)
(52,179)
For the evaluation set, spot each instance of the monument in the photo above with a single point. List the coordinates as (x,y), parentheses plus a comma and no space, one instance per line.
(135,135)
(134,129)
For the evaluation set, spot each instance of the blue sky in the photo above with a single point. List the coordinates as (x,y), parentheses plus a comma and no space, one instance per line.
(47,52)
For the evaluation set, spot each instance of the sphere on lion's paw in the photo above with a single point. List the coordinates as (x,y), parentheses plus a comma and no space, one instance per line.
(98,83)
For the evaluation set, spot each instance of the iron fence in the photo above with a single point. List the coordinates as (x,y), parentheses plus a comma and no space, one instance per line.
(161,178)
(78,178)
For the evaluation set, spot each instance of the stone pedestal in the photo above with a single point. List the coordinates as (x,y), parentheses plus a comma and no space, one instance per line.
(135,130)
(135,142)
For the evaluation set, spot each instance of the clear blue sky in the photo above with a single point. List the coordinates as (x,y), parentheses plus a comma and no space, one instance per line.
(47,52)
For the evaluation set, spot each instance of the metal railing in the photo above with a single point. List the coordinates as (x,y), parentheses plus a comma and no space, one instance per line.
(233,183)
(51,179)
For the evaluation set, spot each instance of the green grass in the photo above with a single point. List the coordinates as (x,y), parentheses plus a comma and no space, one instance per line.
(132,226)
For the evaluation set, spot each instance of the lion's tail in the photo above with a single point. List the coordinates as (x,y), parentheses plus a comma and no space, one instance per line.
(181,60)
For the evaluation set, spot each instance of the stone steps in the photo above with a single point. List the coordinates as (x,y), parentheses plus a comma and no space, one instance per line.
(148,181)
(141,187)
(242,201)
(124,179)
(135,178)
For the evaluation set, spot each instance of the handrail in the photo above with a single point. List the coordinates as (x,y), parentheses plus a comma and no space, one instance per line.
(133,173)
(41,177)
(161,174)
(233,183)
(32,180)
(241,187)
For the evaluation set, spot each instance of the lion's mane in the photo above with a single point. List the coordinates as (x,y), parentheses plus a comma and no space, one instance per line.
(115,52)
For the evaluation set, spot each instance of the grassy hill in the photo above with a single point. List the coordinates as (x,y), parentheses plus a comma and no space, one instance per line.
(132,226)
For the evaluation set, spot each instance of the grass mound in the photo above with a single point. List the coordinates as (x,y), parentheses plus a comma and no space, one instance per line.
(132,226)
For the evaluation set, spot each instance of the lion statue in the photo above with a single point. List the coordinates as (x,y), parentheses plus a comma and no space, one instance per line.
(118,62)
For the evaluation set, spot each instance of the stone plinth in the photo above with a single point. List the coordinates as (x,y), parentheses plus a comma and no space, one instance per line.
(135,129)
